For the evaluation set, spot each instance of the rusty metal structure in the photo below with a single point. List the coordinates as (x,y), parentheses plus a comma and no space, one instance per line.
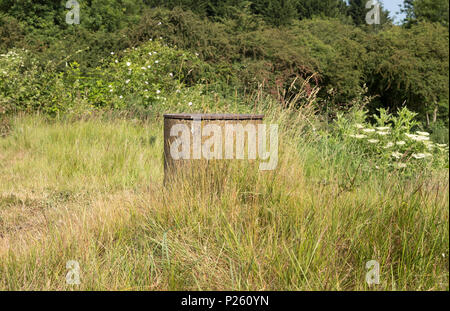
(171,165)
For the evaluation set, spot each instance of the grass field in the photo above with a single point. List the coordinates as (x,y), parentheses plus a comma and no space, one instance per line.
(91,191)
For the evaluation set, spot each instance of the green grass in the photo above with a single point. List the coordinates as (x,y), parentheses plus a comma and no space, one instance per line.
(91,190)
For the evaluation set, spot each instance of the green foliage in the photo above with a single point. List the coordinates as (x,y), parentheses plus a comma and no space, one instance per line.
(136,78)
(410,66)
(35,13)
(337,53)
(276,12)
(19,81)
(11,32)
(242,51)
(426,10)
(390,141)
(326,8)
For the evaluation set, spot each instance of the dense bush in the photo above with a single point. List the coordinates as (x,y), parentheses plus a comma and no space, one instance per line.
(241,50)
(140,78)
(410,66)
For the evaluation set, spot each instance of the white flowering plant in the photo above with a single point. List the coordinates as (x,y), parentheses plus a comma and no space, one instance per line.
(148,75)
(148,78)
(29,85)
(18,79)
(392,141)
(154,76)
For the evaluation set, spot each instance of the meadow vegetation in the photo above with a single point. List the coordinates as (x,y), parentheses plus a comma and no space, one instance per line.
(363,157)
(92,190)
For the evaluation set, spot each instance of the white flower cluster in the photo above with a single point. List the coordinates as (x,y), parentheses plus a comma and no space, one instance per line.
(381,138)
(422,136)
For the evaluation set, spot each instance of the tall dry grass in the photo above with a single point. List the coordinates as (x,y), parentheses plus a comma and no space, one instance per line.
(91,191)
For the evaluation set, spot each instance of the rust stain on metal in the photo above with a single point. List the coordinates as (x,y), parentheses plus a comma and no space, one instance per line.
(212,116)
(171,165)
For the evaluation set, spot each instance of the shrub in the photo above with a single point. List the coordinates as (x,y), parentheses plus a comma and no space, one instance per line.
(393,141)
(19,81)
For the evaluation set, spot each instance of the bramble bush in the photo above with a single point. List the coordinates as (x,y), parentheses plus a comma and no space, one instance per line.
(27,85)
(147,74)
(140,78)
(242,51)
(18,80)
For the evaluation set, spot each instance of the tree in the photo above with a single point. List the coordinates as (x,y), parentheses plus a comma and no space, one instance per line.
(328,8)
(277,12)
(410,66)
(435,11)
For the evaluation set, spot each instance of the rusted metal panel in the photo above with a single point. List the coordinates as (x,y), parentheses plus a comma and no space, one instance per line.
(171,165)
(213,116)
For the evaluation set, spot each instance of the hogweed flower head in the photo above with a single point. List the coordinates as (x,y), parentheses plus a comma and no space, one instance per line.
(358,136)
(383,128)
(396,155)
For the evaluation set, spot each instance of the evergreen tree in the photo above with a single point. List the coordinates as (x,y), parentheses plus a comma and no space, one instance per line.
(426,10)
(277,12)
(329,8)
